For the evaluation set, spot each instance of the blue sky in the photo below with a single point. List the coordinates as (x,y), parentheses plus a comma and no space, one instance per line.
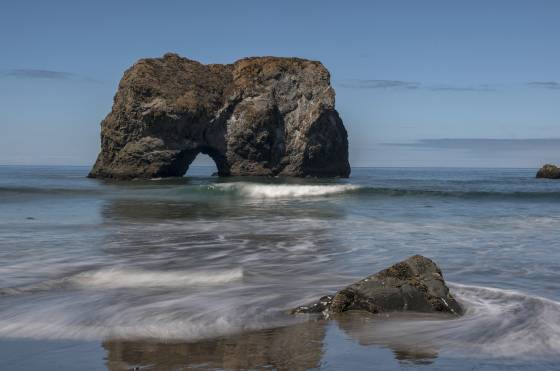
(418,83)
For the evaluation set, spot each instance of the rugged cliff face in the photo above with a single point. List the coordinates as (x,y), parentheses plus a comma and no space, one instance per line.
(257,116)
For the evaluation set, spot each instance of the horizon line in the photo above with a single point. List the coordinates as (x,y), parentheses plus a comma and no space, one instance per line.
(353,167)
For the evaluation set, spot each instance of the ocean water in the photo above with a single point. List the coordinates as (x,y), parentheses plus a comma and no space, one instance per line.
(198,272)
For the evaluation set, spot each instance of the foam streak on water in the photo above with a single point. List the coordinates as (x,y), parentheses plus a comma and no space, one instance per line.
(497,323)
(116,278)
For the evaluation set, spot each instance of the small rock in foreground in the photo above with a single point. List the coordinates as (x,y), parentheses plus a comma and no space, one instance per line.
(415,284)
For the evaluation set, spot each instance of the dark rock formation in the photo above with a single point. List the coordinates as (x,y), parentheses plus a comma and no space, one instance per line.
(549,171)
(415,284)
(257,116)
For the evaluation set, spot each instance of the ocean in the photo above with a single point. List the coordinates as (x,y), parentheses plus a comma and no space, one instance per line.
(198,272)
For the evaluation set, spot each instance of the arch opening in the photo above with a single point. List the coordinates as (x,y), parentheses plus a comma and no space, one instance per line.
(203,161)
(202,165)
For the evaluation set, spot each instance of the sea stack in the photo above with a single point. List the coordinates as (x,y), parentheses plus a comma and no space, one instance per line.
(415,284)
(549,171)
(262,116)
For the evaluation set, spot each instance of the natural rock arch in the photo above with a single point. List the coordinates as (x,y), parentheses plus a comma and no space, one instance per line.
(257,116)
(185,158)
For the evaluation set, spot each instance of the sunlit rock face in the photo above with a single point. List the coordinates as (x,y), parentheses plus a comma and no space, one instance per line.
(258,116)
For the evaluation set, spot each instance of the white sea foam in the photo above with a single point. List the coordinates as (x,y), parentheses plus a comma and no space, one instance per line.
(284,190)
(521,323)
(58,323)
(497,322)
(88,317)
(115,278)
(122,278)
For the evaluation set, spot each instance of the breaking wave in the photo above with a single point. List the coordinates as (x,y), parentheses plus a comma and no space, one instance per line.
(284,190)
(272,191)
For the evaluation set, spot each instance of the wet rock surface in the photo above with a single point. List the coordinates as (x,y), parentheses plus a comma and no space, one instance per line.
(415,284)
(258,116)
(549,171)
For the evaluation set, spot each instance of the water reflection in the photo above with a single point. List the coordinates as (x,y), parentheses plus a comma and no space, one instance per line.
(297,347)
(390,331)
(219,209)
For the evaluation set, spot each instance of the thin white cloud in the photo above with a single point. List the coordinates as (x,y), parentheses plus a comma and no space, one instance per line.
(483,144)
(412,85)
(545,84)
(379,84)
(38,74)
